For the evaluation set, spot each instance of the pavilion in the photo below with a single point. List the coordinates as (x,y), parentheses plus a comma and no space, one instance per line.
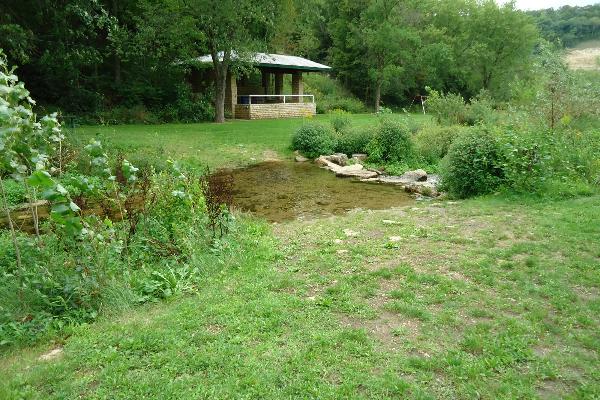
(255,96)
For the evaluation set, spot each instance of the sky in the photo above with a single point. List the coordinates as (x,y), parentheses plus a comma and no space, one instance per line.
(539,4)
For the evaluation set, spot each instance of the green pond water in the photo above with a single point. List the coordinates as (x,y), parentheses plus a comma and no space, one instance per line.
(280,191)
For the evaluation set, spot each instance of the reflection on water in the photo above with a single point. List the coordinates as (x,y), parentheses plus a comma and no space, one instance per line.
(280,191)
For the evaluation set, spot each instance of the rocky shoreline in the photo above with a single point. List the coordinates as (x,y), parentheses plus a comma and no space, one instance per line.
(417,181)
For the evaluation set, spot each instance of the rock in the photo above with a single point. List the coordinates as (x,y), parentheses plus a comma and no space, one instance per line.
(410,183)
(350,233)
(418,175)
(338,241)
(389,222)
(52,354)
(325,162)
(359,157)
(342,251)
(362,174)
(356,171)
(338,158)
(299,157)
(395,238)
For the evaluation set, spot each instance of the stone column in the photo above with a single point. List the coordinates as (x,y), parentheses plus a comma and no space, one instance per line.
(266,81)
(297,86)
(230,94)
(279,84)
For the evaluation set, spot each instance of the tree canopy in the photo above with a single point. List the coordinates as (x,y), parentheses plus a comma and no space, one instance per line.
(90,56)
(570,25)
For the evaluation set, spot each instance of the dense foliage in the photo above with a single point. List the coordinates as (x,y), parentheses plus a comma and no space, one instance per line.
(89,57)
(570,25)
(117,234)
(473,165)
(314,140)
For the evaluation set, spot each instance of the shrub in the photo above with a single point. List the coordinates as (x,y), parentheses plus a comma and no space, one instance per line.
(473,165)
(349,104)
(331,95)
(481,110)
(137,114)
(189,107)
(314,140)
(15,192)
(525,159)
(340,120)
(432,141)
(391,143)
(353,141)
(448,109)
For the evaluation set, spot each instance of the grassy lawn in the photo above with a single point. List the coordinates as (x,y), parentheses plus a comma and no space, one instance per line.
(486,298)
(233,143)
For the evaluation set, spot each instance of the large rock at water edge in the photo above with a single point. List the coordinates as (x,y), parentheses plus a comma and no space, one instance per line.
(418,175)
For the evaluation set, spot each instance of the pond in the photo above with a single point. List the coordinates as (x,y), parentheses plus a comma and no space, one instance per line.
(280,191)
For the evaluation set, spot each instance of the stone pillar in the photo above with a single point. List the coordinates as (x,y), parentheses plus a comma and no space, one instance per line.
(230,94)
(279,83)
(297,86)
(266,81)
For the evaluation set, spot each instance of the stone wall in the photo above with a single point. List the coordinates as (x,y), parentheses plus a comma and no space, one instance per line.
(277,110)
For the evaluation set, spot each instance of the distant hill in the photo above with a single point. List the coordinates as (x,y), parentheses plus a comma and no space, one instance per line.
(570,25)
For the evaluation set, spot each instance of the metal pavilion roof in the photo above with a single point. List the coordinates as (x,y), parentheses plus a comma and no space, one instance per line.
(276,61)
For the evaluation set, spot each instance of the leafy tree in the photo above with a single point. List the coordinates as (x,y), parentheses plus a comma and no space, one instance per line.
(228,30)
(388,42)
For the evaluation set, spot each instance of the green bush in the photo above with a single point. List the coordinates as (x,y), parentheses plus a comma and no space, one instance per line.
(448,109)
(340,120)
(189,107)
(314,140)
(526,156)
(14,191)
(473,165)
(481,110)
(391,142)
(433,141)
(348,104)
(331,95)
(353,141)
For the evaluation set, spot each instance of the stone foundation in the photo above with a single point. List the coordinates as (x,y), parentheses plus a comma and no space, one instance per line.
(277,110)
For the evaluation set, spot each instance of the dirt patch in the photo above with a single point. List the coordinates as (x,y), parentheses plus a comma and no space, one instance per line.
(389,329)
(51,355)
(270,156)
(586,59)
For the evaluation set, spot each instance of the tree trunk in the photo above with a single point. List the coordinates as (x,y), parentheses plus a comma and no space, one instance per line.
(220,68)
(220,81)
(377,96)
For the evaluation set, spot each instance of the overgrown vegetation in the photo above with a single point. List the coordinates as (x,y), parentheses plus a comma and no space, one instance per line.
(546,142)
(117,235)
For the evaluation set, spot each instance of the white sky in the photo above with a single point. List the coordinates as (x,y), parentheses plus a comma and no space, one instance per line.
(539,4)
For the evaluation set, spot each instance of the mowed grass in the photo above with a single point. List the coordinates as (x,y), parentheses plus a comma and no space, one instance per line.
(231,144)
(488,298)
